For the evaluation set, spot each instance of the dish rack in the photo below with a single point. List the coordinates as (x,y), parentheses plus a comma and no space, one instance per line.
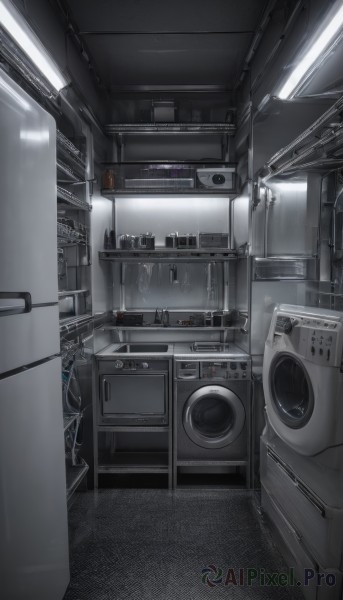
(71,232)
(71,200)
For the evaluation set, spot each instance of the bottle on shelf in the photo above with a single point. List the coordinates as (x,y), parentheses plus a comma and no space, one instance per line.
(108,180)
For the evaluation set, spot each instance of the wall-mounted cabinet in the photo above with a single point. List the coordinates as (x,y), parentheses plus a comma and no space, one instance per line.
(169,177)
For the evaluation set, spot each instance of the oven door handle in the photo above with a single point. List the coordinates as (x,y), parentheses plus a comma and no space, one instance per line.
(105,388)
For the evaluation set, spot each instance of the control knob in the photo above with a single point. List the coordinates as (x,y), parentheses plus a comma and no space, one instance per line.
(145,365)
(118,364)
(288,325)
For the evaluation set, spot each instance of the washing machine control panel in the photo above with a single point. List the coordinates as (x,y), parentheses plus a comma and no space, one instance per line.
(319,341)
(224,370)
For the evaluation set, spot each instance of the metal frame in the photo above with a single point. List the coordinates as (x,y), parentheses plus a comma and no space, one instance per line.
(103,428)
(148,128)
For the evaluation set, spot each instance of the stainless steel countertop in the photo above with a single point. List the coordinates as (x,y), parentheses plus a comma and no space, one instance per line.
(183,351)
(178,351)
(111,352)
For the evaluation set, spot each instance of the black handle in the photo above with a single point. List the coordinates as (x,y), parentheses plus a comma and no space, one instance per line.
(16,309)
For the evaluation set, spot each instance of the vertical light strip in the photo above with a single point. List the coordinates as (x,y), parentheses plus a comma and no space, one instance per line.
(314,52)
(12,21)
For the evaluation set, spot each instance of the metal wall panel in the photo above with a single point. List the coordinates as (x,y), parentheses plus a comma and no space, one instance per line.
(265,295)
(198,286)
(165,214)
(240,220)
(102,215)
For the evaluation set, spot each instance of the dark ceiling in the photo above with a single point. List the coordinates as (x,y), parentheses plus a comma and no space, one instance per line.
(158,44)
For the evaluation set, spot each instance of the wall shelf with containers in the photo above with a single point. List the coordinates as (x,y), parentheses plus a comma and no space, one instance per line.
(73,234)
(192,274)
(168,178)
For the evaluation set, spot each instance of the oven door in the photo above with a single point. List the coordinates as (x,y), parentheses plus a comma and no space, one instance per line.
(134,399)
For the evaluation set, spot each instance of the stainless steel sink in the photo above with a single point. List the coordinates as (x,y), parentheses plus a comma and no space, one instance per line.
(142,348)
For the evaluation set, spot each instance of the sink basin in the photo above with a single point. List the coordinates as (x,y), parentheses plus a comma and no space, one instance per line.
(143,348)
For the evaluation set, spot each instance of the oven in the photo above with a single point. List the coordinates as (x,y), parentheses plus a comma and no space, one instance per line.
(133,392)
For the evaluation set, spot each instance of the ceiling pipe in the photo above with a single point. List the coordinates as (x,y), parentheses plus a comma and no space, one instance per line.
(266,17)
(299,5)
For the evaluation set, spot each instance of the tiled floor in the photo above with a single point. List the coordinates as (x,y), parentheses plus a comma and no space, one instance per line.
(154,544)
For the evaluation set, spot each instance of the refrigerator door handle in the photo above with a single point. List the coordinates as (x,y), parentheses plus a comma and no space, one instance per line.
(25,306)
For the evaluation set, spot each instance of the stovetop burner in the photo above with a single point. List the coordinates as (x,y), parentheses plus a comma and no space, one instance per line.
(209,347)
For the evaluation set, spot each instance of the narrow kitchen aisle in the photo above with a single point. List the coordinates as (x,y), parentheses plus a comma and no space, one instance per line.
(148,543)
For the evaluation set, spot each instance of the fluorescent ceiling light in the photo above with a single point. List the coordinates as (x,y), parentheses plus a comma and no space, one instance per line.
(15,25)
(314,52)
(289,186)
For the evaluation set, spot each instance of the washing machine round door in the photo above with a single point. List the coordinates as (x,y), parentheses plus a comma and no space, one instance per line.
(213,417)
(291,390)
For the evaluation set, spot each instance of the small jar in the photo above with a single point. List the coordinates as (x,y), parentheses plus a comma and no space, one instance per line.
(108,180)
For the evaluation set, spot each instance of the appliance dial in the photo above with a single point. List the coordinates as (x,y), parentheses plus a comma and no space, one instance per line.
(287,326)
(118,364)
(145,365)
(218,179)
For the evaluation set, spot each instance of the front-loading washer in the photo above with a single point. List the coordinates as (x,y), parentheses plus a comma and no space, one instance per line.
(212,413)
(303,379)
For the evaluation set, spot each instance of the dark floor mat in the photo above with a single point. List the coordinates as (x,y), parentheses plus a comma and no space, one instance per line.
(157,544)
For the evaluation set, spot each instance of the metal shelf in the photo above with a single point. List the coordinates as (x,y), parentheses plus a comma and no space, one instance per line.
(65,146)
(112,194)
(162,327)
(72,323)
(68,174)
(134,462)
(212,463)
(64,293)
(67,235)
(132,429)
(74,476)
(69,419)
(70,201)
(158,128)
(167,254)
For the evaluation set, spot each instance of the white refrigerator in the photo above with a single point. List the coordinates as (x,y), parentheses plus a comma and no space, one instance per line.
(34,561)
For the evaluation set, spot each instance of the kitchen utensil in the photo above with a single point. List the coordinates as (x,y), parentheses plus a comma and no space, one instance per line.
(213,240)
(172,240)
(146,241)
(187,240)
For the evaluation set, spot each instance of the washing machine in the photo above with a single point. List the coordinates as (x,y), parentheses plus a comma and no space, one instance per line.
(212,412)
(303,380)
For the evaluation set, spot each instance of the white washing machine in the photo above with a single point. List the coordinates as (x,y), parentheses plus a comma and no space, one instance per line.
(303,380)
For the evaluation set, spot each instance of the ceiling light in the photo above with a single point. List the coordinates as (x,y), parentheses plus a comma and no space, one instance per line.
(16,26)
(288,186)
(314,52)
